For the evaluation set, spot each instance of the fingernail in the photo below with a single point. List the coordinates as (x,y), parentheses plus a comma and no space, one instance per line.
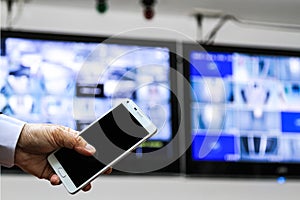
(90,148)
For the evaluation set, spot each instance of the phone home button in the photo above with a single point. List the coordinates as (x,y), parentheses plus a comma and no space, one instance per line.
(61,172)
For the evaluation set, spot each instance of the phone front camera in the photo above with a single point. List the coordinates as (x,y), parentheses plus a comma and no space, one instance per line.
(135,109)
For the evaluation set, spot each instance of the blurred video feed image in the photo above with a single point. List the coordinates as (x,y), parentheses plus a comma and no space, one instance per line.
(252,99)
(72,83)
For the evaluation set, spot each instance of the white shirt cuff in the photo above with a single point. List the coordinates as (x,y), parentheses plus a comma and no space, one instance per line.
(10,129)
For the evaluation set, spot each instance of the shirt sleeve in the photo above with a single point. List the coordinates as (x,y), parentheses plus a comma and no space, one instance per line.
(10,129)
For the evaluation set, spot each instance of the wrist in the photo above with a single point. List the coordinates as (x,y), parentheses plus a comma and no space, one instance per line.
(20,145)
(22,138)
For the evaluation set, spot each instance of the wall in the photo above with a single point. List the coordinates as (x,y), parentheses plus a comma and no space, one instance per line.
(150,188)
(88,21)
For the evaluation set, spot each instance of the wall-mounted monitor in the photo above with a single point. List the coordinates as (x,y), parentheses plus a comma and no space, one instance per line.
(73,79)
(243,111)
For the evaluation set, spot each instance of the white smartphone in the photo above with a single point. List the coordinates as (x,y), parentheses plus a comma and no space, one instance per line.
(114,135)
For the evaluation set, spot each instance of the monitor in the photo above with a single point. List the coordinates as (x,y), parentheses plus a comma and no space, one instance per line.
(71,80)
(243,111)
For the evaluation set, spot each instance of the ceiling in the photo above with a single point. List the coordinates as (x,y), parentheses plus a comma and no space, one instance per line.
(274,11)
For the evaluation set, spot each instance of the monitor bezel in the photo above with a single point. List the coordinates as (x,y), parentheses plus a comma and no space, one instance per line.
(243,169)
(174,167)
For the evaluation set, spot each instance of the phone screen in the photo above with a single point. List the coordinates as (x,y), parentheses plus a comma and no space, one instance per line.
(112,135)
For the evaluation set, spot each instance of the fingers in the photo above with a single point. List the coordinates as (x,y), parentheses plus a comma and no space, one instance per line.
(87,188)
(108,171)
(69,138)
(50,175)
(54,180)
(84,148)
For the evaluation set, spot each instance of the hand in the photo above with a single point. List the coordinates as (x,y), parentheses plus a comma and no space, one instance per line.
(37,141)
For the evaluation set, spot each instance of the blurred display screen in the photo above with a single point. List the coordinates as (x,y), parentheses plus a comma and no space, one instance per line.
(46,81)
(245,107)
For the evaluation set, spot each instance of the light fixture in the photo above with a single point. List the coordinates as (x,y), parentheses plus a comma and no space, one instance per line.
(148,8)
(101,6)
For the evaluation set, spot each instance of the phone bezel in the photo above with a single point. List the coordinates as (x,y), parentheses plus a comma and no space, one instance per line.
(139,116)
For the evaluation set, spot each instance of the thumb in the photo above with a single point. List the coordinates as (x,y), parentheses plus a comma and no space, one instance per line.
(82,147)
(72,140)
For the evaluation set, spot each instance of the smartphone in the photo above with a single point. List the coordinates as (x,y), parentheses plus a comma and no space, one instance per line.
(114,135)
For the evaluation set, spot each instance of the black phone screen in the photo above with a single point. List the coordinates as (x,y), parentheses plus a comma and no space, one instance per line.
(112,135)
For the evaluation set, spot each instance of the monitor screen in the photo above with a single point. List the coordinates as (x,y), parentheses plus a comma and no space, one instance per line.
(72,80)
(244,110)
